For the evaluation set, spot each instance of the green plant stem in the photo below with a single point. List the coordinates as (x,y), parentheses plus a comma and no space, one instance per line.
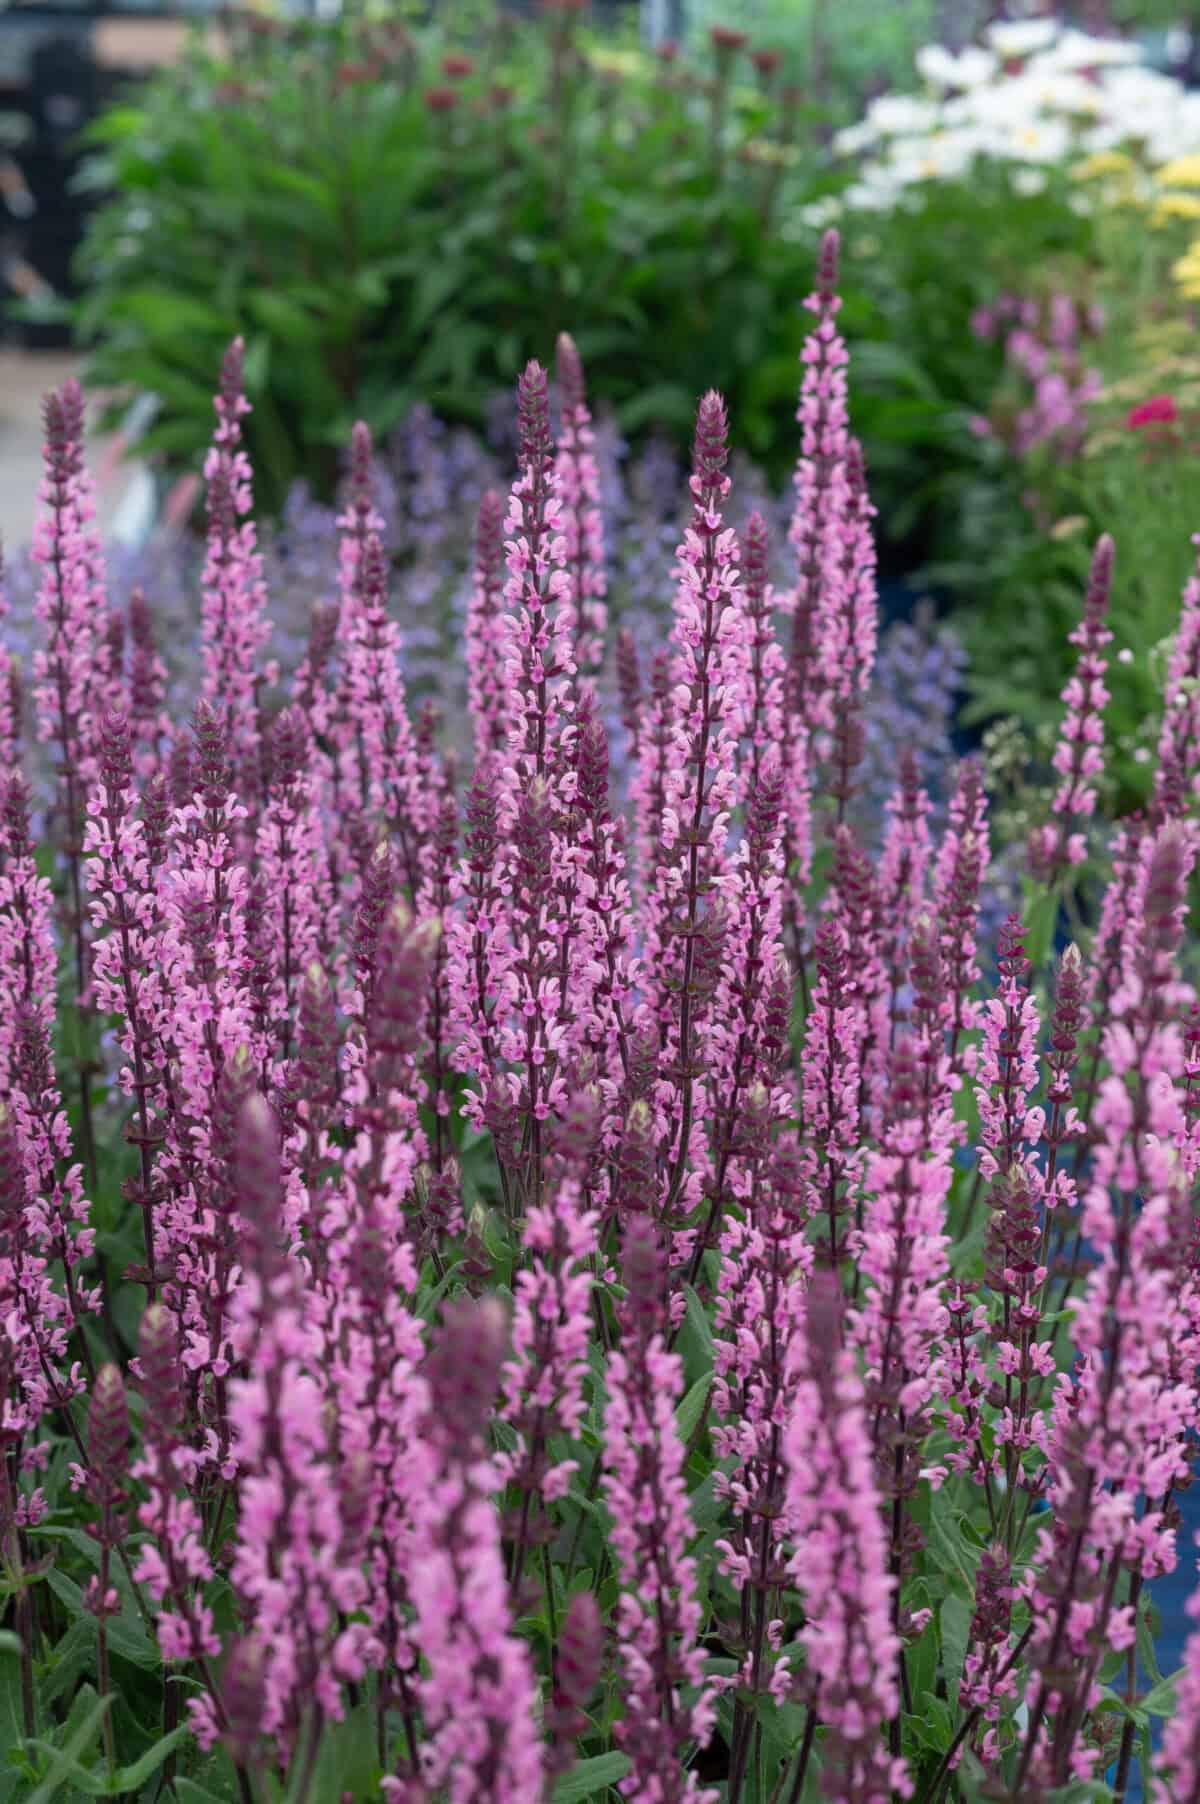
(944,1769)
(806,1748)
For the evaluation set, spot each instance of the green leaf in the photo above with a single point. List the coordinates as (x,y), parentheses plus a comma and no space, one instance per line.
(1160,1699)
(347,1760)
(64,1762)
(9,1643)
(699,1324)
(955,1623)
(687,1416)
(934,1728)
(591,1777)
(946,1539)
(189,1792)
(129,1778)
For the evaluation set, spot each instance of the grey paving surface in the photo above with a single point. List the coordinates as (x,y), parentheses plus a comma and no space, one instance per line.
(25,376)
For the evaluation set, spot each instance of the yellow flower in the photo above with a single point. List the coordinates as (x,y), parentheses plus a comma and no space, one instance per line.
(1104,162)
(617,62)
(1186,270)
(1175,206)
(764,150)
(1184,172)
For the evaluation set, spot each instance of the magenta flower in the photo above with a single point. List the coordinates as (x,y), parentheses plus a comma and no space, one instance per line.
(840,1563)
(658,1617)
(582,521)
(1079,755)
(477,1690)
(485,630)
(233,608)
(542,1381)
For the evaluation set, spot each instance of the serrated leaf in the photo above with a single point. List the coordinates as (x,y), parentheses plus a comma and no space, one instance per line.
(1160,1699)
(698,1322)
(945,1537)
(591,1777)
(129,1778)
(954,1619)
(64,1761)
(188,1792)
(692,1408)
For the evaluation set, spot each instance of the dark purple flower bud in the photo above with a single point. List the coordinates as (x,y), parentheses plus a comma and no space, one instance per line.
(243,1695)
(533,419)
(905,1092)
(114,639)
(212,775)
(823,1322)
(318,1038)
(400,993)
(197,912)
(489,534)
(463,1367)
(141,620)
(629,681)
(13,1192)
(482,836)
(764,813)
(708,958)
(569,369)
(379,890)
(14,811)
(532,840)
(361,476)
(849,744)
(1069,1000)
(574,1133)
(158,1353)
(993,1597)
(62,418)
(236,1084)
(755,562)
(1100,576)
(636,1162)
(258,966)
(33,1061)
(356,1486)
(1010,951)
(643,1067)
(116,761)
(591,758)
(182,768)
(259,1188)
(644,1269)
(156,817)
(777,1019)
(443,1202)
(108,1428)
(373,573)
(710,450)
(927,972)
(289,743)
(322,637)
(1165,886)
(425,731)
(827,264)
(1014,1239)
(233,375)
(16,698)
(577,1666)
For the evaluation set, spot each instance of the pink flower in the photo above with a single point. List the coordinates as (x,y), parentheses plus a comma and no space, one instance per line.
(1158,410)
